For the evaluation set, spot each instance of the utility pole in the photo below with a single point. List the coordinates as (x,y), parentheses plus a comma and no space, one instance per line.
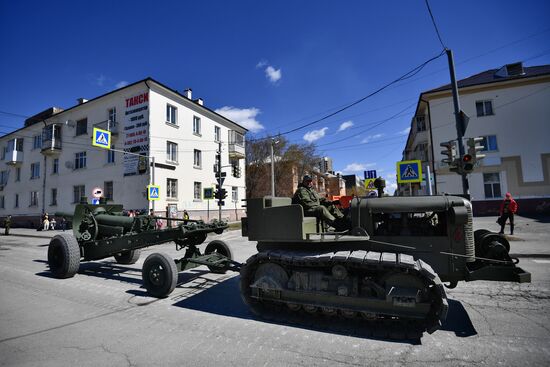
(460,127)
(273,142)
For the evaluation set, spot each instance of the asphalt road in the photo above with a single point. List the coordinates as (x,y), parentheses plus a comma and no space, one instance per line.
(102,317)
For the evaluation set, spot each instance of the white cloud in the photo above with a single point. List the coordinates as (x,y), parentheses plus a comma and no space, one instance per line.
(314,135)
(261,64)
(370,138)
(100,80)
(357,167)
(404,131)
(274,75)
(245,117)
(345,125)
(121,84)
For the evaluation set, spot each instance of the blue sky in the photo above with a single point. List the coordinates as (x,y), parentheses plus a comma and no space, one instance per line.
(271,65)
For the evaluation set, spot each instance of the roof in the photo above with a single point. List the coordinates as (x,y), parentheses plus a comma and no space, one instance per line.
(490,76)
(54,111)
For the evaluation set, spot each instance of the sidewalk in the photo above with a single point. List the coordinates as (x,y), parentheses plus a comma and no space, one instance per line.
(531,236)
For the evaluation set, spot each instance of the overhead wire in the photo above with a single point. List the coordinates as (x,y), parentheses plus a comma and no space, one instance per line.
(435,25)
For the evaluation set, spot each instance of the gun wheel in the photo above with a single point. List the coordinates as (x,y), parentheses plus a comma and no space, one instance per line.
(221,248)
(127,257)
(159,275)
(64,256)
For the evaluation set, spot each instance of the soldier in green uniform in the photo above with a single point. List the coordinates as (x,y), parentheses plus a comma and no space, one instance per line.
(7,225)
(316,206)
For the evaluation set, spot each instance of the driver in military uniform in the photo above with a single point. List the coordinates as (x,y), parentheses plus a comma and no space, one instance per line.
(316,206)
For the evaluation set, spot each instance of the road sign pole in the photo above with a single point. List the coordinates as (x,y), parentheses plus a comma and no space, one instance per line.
(460,128)
(153,179)
(429,178)
(219,174)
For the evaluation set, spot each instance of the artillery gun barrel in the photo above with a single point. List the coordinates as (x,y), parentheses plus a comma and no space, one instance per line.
(115,220)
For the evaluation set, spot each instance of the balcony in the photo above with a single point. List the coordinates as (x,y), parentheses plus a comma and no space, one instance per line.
(108,125)
(14,152)
(51,139)
(236,145)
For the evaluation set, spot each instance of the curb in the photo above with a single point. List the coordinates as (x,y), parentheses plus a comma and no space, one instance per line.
(28,235)
(530,255)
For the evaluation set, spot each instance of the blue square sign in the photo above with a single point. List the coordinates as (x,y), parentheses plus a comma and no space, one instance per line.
(102,138)
(409,171)
(153,192)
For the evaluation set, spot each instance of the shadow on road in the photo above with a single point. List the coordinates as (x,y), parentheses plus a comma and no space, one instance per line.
(458,320)
(223,298)
(103,270)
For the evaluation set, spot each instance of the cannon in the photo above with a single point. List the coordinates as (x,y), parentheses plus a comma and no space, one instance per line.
(101,231)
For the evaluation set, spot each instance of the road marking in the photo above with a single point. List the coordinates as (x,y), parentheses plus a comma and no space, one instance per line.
(542,261)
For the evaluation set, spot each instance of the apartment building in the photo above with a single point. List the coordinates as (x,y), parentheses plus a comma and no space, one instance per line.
(50,163)
(508,107)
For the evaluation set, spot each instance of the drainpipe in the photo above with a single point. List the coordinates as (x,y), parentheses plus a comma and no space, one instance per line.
(431,144)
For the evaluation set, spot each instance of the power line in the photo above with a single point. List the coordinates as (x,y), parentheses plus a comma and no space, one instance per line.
(405,76)
(435,26)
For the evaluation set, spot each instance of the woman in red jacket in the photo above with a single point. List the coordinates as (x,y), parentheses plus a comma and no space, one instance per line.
(508,208)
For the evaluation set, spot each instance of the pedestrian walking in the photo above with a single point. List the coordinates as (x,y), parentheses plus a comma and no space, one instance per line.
(508,208)
(185,216)
(63,223)
(45,222)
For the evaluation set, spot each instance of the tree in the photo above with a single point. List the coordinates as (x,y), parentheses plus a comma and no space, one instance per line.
(292,161)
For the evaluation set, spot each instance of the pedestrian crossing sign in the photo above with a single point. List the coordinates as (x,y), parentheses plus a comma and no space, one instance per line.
(409,171)
(369,184)
(153,192)
(102,138)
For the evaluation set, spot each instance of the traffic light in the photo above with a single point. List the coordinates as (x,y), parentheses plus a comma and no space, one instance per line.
(236,171)
(467,163)
(450,152)
(220,194)
(474,147)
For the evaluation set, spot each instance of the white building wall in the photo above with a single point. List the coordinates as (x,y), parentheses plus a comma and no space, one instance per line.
(520,122)
(130,191)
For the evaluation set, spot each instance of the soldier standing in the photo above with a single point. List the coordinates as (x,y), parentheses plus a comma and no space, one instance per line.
(7,225)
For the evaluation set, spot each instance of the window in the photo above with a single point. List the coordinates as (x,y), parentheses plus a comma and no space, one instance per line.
(171,188)
(217,133)
(53,200)
(197,158)
(34,198)
(234,194)
(111,114)
(489,143)
(55,167)
(3,177)
(82,127)
(16,201)
(80,160)
(2,202)
(171,152)
(18,174)
(108,190)
(420,123)
(35,170)
(171,114)
(78,192)
(197,190)
(196,125)
(484,108)
(111,155)
(491,183)
(37,142)
(236,137)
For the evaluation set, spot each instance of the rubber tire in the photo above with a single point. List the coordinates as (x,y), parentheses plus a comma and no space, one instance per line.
(221,248)
(165,269)
(64,256)
(128,257)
